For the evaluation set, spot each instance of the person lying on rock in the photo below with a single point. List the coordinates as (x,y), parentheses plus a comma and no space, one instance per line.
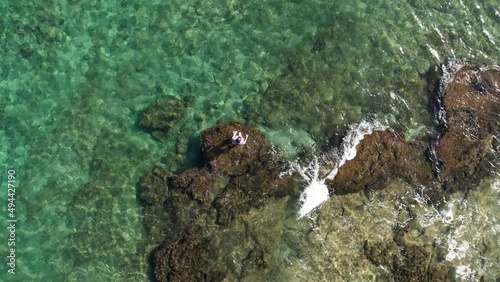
(238,139)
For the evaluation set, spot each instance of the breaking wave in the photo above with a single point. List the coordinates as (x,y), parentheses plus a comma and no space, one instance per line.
(316,192)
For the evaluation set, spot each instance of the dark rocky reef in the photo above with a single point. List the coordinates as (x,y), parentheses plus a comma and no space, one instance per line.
(159,117)
(218,197)
(407,262)
(234,178)
(380,156)
(214,221)
(465,149)
(186,260)
(466,100)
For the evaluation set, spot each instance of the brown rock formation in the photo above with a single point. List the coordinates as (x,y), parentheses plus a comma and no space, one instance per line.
(186,260)
(382,155)
(197,183)
(223,157)
(467,107)
(466,100)
(233,180)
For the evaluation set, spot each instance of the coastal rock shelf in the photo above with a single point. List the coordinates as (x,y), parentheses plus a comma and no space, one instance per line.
(229,219)
(219,200)
(464,149)
(382,155)
(466,100)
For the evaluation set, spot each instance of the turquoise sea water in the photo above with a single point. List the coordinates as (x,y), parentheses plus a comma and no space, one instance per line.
(75,75)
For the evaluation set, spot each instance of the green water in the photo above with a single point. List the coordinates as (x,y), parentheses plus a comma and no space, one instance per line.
(75,75)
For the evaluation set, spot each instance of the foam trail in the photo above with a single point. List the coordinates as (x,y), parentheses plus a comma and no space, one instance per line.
(357,132)
(316,191)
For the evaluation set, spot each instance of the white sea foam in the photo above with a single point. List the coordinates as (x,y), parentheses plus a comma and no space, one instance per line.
(496,186)
(449,71)
(396,97)
(434,52)
(316,191)
(465,272)
(419,21)
(456,250)
(357,132)
(457,247)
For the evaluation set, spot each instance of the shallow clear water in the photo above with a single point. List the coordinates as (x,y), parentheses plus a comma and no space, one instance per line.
(75,75)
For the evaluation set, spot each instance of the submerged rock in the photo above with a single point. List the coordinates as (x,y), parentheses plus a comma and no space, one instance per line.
(154,187)
(407,262)
(405,259)
(162,115)
(195,182)
(186,260)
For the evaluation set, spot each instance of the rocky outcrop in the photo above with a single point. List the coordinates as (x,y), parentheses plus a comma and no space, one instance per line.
(197,183)
(233,180)
(220,156)
(213,230)
(223,157)
(465,99)
(382,155)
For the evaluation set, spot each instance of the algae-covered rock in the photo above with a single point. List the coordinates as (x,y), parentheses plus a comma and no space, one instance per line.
(223,157)
(162,115)
(154,187)
(382,155)
(407,262)
(186,260)
(252,172)
(197,183)
(465,99)
(419,265)
(464,151)
(252,190)
(258,257)
(234,183)
(381,253)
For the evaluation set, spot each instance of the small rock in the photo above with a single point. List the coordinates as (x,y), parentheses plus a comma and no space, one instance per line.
(162,115)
